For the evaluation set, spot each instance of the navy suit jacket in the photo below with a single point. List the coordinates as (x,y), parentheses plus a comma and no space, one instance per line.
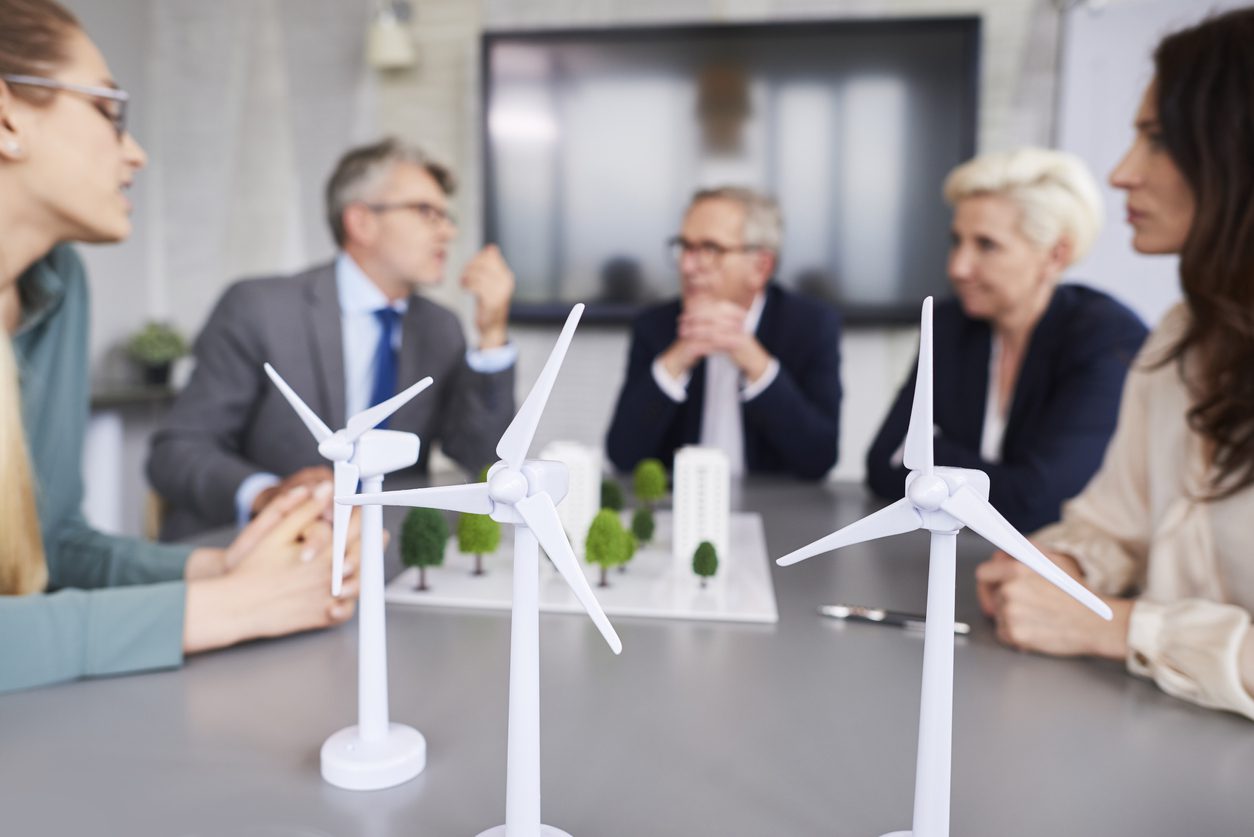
(792,426)
(1062,414)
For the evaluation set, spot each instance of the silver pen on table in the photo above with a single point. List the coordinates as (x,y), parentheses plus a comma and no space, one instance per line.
(880,616)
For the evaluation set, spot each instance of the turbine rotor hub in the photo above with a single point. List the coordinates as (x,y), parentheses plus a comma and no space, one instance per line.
(928,491)
(336,448)
(507,486)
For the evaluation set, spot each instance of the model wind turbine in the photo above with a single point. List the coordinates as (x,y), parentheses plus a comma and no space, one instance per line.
(375,753)
(941,500)
(524,492)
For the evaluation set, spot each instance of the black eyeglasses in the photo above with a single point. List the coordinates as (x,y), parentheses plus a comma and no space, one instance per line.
(110,101)
(429,212)
(708,253)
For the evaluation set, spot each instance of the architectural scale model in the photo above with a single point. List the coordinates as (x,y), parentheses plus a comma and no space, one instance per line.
(524,492)
(941,500)
(583,495)
(375,753)
(702,501)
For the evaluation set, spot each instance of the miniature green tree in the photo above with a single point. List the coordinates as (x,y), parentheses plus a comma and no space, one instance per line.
(606,545)
(611,495)
(642,525)
(479,535)
(423,536)
(705,561)
(649,482)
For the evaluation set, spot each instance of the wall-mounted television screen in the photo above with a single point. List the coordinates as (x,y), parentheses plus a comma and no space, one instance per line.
(596,139)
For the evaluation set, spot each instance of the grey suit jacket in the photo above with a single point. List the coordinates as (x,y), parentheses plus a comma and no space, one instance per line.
(231,422)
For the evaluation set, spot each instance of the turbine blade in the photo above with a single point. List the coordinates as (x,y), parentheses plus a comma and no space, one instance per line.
(346,474)
(918,452)
(369,418)
(977,513)
(891,520)
(471,499)
(316,425)
(516,440)
(540,515)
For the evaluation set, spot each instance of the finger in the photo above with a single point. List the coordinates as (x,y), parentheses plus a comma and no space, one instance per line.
(317,536)
(269,517)
(288,529)
(340,610)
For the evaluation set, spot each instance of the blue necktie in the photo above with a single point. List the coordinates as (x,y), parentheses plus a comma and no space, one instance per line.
(384,360)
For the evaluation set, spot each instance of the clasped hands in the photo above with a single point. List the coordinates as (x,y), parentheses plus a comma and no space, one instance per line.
(275,578)
(1031,614)
(714,326)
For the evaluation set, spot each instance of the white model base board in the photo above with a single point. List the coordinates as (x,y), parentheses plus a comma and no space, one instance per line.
(655,585)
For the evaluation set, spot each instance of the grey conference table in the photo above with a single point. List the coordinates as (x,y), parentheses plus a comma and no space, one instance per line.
(802,728)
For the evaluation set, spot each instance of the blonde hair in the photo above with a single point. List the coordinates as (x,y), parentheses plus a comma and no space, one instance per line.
(22,566)
(1054,191)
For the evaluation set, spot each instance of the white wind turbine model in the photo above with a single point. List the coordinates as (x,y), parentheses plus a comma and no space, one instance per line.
(375,753)
(523,492)
(941,500)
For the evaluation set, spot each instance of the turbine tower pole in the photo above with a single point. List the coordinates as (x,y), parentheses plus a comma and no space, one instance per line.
(931,788)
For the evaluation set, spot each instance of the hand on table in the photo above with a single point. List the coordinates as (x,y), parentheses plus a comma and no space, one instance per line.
(1031,614)
(279,577)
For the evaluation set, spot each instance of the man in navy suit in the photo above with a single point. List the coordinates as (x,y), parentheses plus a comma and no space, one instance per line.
(737,362)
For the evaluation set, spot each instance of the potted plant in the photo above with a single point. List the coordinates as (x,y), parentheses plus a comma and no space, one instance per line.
(155,347)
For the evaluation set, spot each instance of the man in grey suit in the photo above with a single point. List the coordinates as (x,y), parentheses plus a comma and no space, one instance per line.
(344,335)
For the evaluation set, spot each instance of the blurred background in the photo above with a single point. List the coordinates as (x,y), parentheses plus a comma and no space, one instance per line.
(577,130)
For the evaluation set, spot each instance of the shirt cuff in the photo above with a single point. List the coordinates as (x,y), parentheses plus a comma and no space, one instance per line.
(247,493)
(497,359)
(676,389)
(753,390)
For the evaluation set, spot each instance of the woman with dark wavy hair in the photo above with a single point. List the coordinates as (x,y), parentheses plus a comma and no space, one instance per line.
(76,602)
(1163,530)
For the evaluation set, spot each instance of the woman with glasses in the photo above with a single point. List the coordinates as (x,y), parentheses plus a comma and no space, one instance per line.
(1163,530)
(1030,369)
(75,602)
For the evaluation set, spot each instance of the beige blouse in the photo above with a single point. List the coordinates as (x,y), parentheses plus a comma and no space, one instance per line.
(1138,529)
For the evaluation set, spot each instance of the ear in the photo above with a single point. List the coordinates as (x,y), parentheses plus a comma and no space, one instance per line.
(12,146)
(765,261)
(360,224)
(1060,256)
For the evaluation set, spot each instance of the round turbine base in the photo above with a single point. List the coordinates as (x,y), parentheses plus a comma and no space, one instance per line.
(353,764)
(545,831)
(900,834)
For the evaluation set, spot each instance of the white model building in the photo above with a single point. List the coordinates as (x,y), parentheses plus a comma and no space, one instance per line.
(583,497)
(702,502)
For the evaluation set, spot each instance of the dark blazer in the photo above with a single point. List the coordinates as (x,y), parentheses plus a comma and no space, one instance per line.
(1062,414)
(792,426)
(231,421)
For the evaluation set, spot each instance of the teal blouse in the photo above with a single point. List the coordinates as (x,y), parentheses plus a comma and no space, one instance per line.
(113,604)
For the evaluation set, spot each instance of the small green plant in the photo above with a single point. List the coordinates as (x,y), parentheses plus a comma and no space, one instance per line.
(606,545)
(156,344)
(611,495)
(478,535)
(649,482)
(705,561)
(423,536)
(642,525)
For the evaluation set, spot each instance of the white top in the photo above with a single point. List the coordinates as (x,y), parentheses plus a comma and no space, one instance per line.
(1139,528)
(725,390)
(994,418)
